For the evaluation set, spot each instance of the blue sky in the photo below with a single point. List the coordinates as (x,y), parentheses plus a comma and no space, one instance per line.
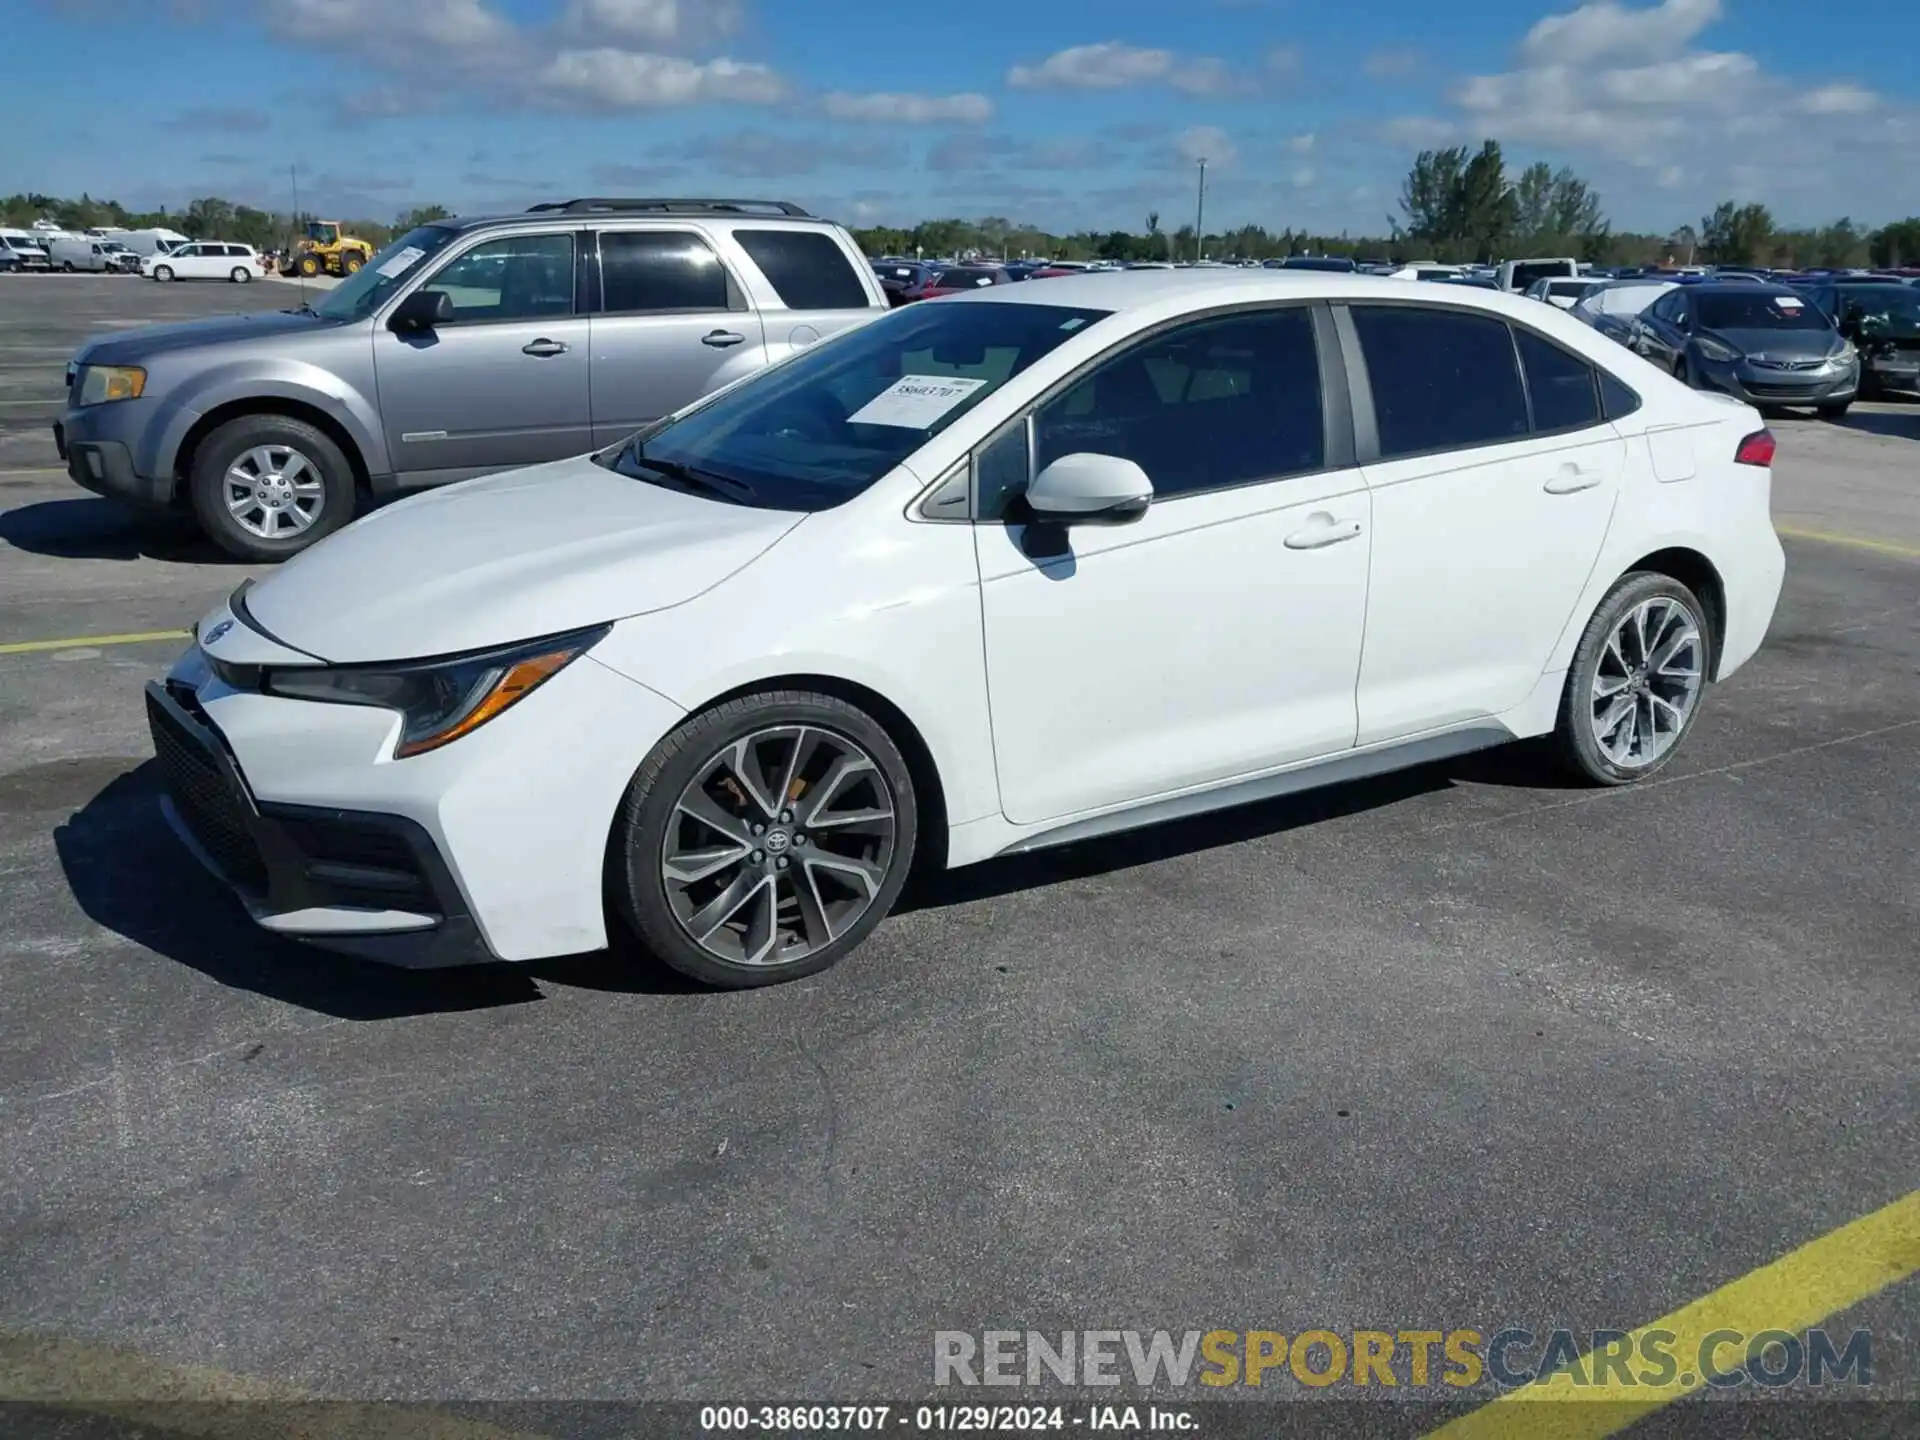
(1068,114)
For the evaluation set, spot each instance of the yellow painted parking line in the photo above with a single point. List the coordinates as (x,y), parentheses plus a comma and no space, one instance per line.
(37,470)
(1792,1294)
(203,1402)
(1858,542)
(79,642)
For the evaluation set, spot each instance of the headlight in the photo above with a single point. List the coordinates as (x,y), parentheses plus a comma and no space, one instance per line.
(1714,350)
(97,384)
(1846,354)
(438,700)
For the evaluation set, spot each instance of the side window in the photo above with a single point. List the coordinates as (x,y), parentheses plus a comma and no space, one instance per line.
(648,272)
(1667,307)
(1560,385)
(807,269)
(1617,399)
(1000,471)
(518,277)
(1442,379)
(1222,402)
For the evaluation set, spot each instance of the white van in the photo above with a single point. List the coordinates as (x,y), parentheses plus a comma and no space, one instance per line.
(155,241)
(70,253)
(26,248)
(1517,275)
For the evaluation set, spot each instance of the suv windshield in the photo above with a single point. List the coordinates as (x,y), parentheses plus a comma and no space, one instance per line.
(1897,305)
(1756,310)
(820,428)
(360,294)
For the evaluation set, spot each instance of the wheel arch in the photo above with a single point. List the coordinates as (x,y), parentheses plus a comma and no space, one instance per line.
(292,409)
(1699,574)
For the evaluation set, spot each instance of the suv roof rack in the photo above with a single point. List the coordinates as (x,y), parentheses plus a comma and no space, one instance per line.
(672,207)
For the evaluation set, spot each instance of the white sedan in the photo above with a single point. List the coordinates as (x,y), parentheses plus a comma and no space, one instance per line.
(204,260)
(1002,572)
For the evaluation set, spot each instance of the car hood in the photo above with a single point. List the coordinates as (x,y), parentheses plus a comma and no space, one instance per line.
(510,557)
(1779,344)
(131,346)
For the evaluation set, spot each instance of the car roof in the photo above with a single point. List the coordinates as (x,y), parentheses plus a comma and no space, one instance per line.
(579,219)
(1128,290)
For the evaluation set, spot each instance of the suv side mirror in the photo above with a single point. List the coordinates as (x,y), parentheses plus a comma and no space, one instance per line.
(1089,489)
(422,310)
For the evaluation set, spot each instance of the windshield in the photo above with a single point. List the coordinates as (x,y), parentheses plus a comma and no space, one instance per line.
(324,233)
(1899,304)
(360,294)
(1756,310)
(817,430)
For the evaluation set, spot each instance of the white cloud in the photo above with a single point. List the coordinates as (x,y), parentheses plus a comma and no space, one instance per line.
(1205,142)
(1301,144)
(909,109)
(650,24)
(1111,65)
(629,79)
(1839,100)
(1605,31)
(1304,177)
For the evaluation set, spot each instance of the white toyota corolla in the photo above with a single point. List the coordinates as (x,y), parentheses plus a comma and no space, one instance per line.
(988,574)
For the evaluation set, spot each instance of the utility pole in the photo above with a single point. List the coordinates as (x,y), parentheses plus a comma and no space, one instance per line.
(1200,216)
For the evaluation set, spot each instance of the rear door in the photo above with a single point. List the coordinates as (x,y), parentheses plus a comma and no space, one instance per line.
(671,322)
(1494,476)
(505,381)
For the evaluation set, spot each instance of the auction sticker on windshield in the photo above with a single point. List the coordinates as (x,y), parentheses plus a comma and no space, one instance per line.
(404,261)
(915,402)
(1788,302)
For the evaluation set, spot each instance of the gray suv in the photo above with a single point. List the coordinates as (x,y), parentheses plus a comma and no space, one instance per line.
(466,346)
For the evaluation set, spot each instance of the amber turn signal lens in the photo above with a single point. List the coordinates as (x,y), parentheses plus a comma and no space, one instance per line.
(521,678)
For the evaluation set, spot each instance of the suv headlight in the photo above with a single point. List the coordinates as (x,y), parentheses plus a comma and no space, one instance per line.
(1714,350)
(438,700)
(98,384)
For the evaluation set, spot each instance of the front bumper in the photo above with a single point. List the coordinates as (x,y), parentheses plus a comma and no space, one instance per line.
(496,844)
(1767,386)
(1895,374)
(92,443)
(362,882)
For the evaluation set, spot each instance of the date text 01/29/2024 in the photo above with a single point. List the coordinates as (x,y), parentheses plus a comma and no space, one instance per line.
(961,1419)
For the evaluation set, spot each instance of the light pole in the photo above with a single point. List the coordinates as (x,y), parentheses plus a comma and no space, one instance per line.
(1200,216)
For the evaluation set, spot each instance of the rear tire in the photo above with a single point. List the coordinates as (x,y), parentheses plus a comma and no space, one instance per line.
(67,266)
(815,758)
(240,275)
(1663,681)
(237,530)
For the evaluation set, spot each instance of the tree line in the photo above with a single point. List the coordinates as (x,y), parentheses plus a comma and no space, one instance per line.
(1456,204)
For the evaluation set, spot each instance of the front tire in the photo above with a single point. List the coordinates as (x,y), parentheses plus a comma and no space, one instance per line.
(265,487)
(1638,674)
(353,263)
(163,273)
(1833,412)
(764,839)
(307,266)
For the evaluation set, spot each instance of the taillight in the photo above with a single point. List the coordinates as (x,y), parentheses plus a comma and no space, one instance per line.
(1757,449)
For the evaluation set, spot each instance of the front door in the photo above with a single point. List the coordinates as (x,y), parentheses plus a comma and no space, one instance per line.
(504,382)
(671,325)
(1217,637)
(1492,495)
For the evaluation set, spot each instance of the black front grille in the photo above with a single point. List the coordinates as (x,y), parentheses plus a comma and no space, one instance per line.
(206,800)
(1789,391)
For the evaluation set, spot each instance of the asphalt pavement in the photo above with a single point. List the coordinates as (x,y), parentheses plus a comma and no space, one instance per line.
(1460,1048)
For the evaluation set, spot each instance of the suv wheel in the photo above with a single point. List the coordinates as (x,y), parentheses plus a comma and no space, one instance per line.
(163,272)
(241,275)
(1634,687)
(267,486)
(765,839)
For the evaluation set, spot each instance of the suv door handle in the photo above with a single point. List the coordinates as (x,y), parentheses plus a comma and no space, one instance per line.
(1324,530)
(1570,479)
(544,347)
(721,339)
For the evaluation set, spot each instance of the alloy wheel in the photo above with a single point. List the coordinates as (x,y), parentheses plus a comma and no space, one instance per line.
(274,491)
(1647,682)
(778,845)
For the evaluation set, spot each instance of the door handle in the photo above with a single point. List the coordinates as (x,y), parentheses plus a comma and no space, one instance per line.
(1325,530)
(1571,479)
(544,348)
(721,339)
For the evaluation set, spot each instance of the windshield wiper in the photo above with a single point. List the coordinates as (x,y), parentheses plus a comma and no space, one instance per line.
(725,486)
(301,309)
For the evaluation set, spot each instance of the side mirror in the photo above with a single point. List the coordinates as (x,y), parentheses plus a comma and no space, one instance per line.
(1089,489)
(422,310)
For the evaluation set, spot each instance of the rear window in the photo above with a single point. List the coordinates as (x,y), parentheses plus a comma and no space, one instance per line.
(1526,272)
(1560,385)
(960,278)
(807,269)
(1442,379)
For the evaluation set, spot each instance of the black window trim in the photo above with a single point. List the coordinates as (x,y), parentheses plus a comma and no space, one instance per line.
(597,281)
(1336,415)
(1366,428)
(452,256)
